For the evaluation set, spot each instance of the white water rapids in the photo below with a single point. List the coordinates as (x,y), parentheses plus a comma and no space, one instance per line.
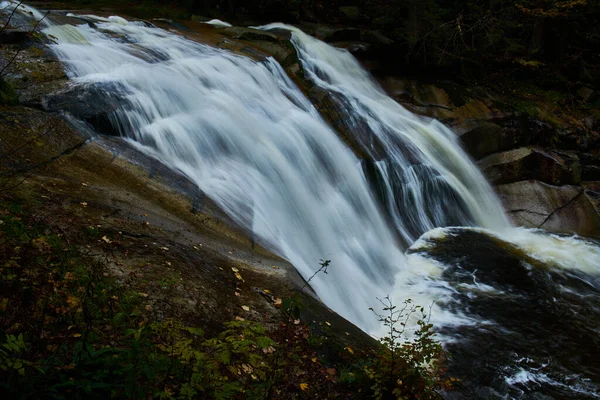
(248,137)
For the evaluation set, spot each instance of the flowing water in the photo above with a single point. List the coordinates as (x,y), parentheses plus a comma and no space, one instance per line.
(428,180)
(519,309)
(246,135)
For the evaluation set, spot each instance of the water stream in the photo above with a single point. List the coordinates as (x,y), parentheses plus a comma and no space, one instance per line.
(249,138)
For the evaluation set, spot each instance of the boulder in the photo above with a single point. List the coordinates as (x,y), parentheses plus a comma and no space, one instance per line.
(560,209)
(486,138)
(492,132)
(532,163)
(93,104)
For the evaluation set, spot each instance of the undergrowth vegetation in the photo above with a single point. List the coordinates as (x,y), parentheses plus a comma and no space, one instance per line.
(72,330)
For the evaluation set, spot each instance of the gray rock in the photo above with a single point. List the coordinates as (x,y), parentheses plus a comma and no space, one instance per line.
(94,104)
(532,163)
(561,209)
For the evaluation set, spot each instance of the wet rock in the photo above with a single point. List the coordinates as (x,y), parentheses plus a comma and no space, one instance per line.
(60,19)
(249,34)
(563,209)
(93,104)
(531,163)
(34,74)
(14,36)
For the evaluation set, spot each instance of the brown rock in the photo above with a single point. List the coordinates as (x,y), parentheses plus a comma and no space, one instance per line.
(532,163)
(561,209)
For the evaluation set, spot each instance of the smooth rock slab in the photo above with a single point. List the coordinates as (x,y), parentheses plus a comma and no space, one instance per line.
(560,209)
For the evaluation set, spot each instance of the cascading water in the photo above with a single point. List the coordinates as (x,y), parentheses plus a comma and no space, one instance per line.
(251,141)
(248,137)
(427,178)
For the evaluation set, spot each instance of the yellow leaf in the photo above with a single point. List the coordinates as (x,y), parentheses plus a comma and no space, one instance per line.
(84,204)
(349,350)
(314,359)
(234,269)
(328,324)
(237,275)
(72,301)
(76,335)
(107,240)
(303,386)
(245,308)
(267,291)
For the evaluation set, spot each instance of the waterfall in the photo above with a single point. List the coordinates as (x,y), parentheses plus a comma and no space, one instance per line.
(429,181)
(247,136)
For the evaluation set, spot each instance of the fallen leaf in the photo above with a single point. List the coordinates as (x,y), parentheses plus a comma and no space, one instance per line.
(234,269)
(3,304)
(267,291)
(107,240)
(238,294)
(237,275)
(349,350)
(303,386)
(328,324)
(296,321)
(164,248)
(314,359)
(245,308)
(143,294)
(83,184)
(331,371)
(83,203)
(76,335)
(73,301)
(277,302)
(239,318)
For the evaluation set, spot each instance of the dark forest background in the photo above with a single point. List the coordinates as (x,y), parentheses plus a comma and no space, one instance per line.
(472,38)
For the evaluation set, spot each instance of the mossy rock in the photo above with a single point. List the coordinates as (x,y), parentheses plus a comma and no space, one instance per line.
(8,95)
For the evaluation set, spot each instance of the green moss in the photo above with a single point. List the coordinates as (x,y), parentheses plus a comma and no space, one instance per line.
(8,96)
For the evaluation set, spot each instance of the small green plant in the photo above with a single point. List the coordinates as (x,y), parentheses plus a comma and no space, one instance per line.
(11,354)
(406,368)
